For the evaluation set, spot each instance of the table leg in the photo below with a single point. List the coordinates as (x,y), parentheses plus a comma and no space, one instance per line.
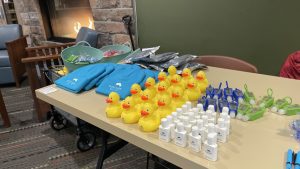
(3,112)
(105,151)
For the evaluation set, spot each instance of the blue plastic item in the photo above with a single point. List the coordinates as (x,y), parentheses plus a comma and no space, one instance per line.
(210,101)
(228,93)
(223,103)
(203,102)
(295,126)
(289,159)
(297,161)
(238,95)
(79,78)
(233,107)
(120,81)
(217,92)
(209,92)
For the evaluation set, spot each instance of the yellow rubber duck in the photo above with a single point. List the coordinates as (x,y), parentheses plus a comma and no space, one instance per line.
(164,107)
(186,76)
(150,85)
(135,91)
(202,81)
(113,110)
(193,92)
(176,82)
(172,70)
(162,77)
(129,113)
(178,99)
(162,89)
(149,120)
(146,97)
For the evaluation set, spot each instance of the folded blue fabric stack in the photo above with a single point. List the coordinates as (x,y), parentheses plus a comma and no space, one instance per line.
(108,77)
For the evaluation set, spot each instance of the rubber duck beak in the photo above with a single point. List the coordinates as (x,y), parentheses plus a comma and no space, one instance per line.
(199,77)
(174,81)
(133,92)
(108,100)
(144,97)
(185,74)
(161,88)
(161,78)
(191,85)
(148,84)
(159,103)
(175,95)
(125,106)
(144,113)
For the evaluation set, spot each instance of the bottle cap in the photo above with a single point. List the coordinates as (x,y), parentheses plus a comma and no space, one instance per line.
(195,110)
(211,128)
(184,108)
(179,111)
(189,105)
(204,118)
(200,106)
(164,122)
(200,123)
(195,131)
(212,138)
(221,122)
(170,119)
(225,109)
(180,127)
(197,117)
(211,108)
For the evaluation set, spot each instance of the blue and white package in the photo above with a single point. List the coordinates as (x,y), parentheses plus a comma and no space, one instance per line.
(79,78)
(121,80)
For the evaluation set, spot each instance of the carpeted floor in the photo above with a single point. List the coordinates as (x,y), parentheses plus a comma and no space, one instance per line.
(35,145)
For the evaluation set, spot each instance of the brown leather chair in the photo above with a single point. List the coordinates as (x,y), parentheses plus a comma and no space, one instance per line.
(227,63)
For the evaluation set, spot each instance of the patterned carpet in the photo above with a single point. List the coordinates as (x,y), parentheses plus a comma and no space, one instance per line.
(30,145)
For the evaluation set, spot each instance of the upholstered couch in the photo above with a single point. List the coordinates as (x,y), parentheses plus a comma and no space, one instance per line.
(12,50)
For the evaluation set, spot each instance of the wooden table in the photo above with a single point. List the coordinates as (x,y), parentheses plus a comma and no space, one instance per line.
(258,144)
(3,111)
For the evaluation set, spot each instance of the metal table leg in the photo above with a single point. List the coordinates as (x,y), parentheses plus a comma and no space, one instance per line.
(108,151)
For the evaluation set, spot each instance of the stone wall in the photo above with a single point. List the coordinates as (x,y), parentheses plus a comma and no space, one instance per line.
(108,20)
(2,17)
(107,16)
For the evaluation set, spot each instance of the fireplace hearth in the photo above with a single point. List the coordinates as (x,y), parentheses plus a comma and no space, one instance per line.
(62,19)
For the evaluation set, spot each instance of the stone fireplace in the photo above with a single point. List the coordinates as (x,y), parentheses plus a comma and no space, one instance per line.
(52,20)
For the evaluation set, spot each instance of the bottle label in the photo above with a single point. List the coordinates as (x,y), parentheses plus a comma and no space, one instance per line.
(180,140)
(210,153)
(164,135)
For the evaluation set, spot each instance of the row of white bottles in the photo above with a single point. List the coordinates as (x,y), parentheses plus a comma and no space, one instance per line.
(193,127)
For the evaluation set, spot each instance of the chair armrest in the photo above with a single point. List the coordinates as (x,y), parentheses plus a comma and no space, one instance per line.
(39,58)
(64,45)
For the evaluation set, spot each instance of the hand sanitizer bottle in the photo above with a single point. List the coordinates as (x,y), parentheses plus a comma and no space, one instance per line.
(184,109)
(174,115)
(164,131)
(225,109)
(172,126)
(205,120)
(196,110)
(201,129)
(192,118)
(226,118)
(187,125)
(189,105)
(195,140)
(211,147)
(200,107)
(221,131)
(210,129)
(208,113)
(179,111)
(180,135)
(211,108)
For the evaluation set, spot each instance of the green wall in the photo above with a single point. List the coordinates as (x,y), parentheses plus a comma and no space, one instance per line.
(262,32)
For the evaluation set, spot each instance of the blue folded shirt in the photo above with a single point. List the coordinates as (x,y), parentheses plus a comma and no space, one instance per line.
(121,80)
(79,78)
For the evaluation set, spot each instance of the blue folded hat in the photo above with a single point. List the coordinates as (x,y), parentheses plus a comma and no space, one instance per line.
(79,78)
(121,80)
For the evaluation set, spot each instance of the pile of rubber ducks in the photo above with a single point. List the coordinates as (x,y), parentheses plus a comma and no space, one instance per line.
(158,100)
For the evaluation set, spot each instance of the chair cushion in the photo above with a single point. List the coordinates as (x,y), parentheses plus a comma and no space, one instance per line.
(8,33)
(4,59)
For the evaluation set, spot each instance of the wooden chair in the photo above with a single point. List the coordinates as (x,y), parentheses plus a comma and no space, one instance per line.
(227,62)
(3,112)
(38,59)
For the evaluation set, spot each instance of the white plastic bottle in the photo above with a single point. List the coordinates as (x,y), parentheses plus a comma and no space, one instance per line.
(211,147)
(205,120)
(187,125)
(174,115)
(172,126)
(201,129)
(180,135)
(192,118)
(179,111)
(195,140)
(189,105)
(221,131)
(184,109)
(200,107)
(208,113)
(196,110)
(164,131)
(211,108)
(225,109)
(226,118)
(210,129)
